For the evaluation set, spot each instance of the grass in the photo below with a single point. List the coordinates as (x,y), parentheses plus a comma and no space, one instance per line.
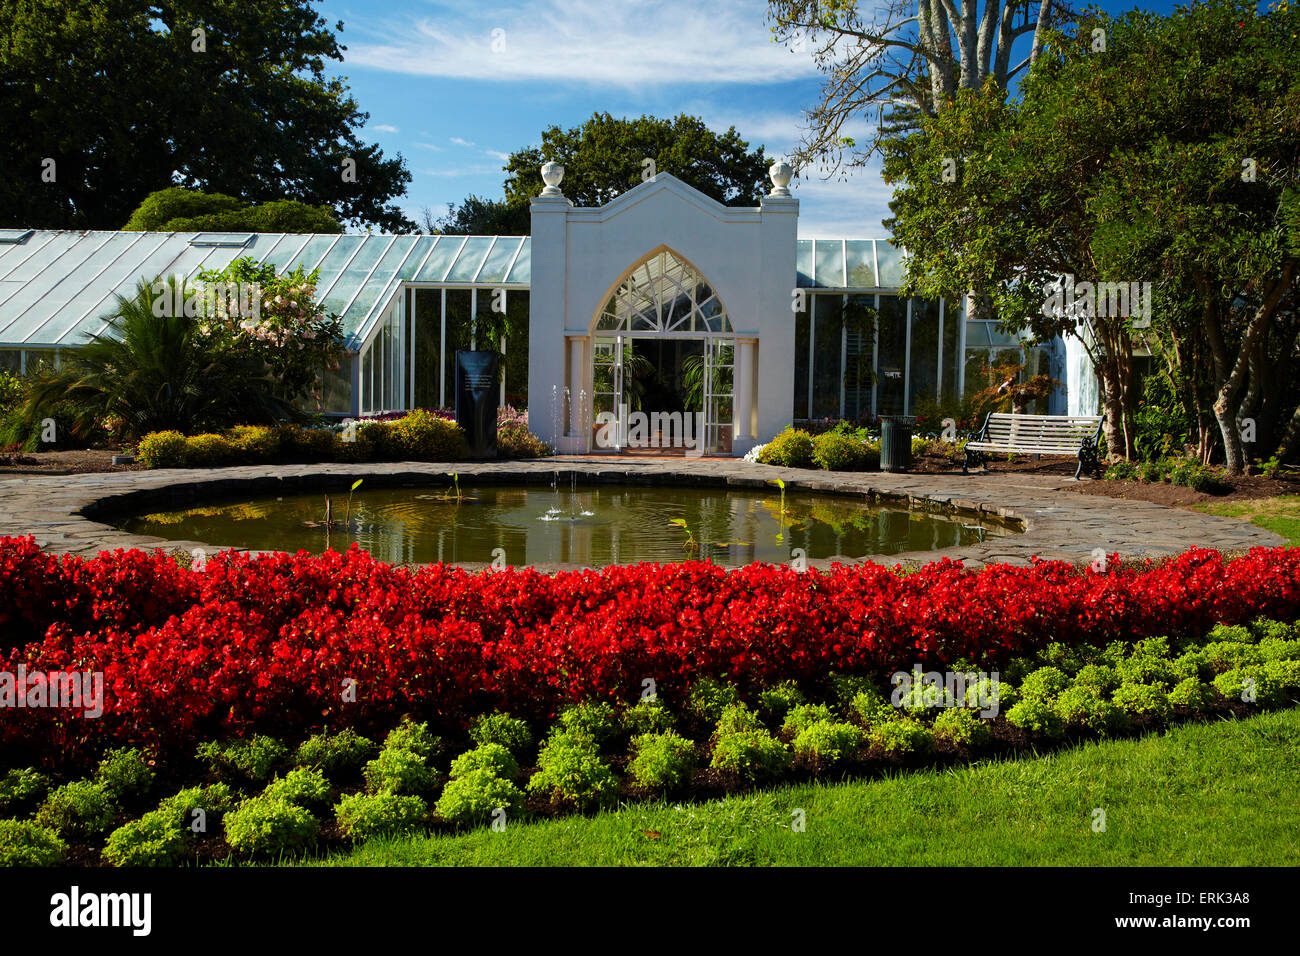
(1280,515)
(1207,794)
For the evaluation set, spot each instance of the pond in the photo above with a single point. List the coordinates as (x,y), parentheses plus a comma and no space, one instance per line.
(594,526)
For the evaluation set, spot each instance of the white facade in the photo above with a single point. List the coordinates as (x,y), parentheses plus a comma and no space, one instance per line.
(580,258)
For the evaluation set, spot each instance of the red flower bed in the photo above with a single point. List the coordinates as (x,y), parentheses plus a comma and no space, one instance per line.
(271,643)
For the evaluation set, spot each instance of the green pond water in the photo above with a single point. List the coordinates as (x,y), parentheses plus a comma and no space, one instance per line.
(592,526)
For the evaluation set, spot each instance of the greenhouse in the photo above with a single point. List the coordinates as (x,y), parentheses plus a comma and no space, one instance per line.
(662,299)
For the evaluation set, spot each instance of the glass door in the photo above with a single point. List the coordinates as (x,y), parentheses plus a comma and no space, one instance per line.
(608,426)
(719,398)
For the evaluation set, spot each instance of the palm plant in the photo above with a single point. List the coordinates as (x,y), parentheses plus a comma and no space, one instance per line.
(153,373)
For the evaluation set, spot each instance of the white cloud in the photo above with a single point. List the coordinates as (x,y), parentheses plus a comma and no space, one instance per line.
(631,44)
(853,209)
(463,142)
(384,128)
(429,146)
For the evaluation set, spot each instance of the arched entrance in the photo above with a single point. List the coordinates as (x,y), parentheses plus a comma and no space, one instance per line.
(663,362)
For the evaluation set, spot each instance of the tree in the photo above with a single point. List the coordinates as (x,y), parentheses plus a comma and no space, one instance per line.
(153,373)
(606,156)
(1128,164)
(103,102)
(484,217)
(903,63)
(189,210)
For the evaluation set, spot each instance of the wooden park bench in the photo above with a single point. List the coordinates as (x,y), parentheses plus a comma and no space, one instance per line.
(1005,433)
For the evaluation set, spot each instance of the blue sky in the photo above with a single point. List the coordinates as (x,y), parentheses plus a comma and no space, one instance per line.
(438,93)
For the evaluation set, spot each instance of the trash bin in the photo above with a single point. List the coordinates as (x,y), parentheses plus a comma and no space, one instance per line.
(896,442)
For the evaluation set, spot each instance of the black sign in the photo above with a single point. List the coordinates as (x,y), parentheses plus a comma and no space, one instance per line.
(476,401)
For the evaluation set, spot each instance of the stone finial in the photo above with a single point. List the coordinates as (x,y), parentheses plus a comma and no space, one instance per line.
(552,174)
(781,173)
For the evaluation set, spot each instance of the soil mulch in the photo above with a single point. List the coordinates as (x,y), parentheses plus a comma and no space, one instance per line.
(1241,488)
(80,462)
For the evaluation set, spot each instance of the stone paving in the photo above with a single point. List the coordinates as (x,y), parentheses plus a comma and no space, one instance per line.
(75,513)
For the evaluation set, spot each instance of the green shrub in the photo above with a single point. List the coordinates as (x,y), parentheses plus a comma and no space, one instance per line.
(401,771)
(1141,700)
(1122,470)
(872,707)
(1070,658)
(570,767)
(264,826)
(514,440)
(340,755)
(998,693)
(1233,685)
(24,843)
(510,732)
(1236,633)
(302,788)
(828,742)
(838,452)
(902,735)
(77,810)
(161,450)
(215,800)
(961,726)
(1191,664)
(1083,708)
(1144,669)
(207,451)
(792,448)
(1101,678)
(124,774)
(650,715)
(21,790)
(1037,716)
(243,761)
(708,698)
(474,798)
(775,702)
(846,687)
(408,735)
(493,758)
(365,815)
(1044,684)
(1278,630)
(1224,656)
(1277,649)
(1284,676)
(753,755)
(662,761)
(153,840)
(596,720)
(737,718)
(921,696)
(253,444)
(1192,694)
(803,716)
(423,436)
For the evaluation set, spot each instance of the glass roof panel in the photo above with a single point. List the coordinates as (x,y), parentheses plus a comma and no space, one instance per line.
(498,260)
(310,254)
(416,257)
(804,263)
(860,263)
(367,257)
(435,270)
(829,254)
(335,261)
(523,271)
(384,275)
(890,258)
(470,258)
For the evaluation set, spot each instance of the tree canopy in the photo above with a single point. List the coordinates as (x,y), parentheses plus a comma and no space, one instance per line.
(103,102)
(605,157)
(1167,153)
(188,210)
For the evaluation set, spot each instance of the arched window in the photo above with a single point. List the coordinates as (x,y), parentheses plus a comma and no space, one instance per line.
(663,294)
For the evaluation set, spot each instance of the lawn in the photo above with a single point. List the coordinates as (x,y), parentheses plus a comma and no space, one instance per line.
(1280,514)
(1209,794)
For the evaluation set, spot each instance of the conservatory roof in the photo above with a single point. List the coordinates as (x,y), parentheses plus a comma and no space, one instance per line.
(56,287)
